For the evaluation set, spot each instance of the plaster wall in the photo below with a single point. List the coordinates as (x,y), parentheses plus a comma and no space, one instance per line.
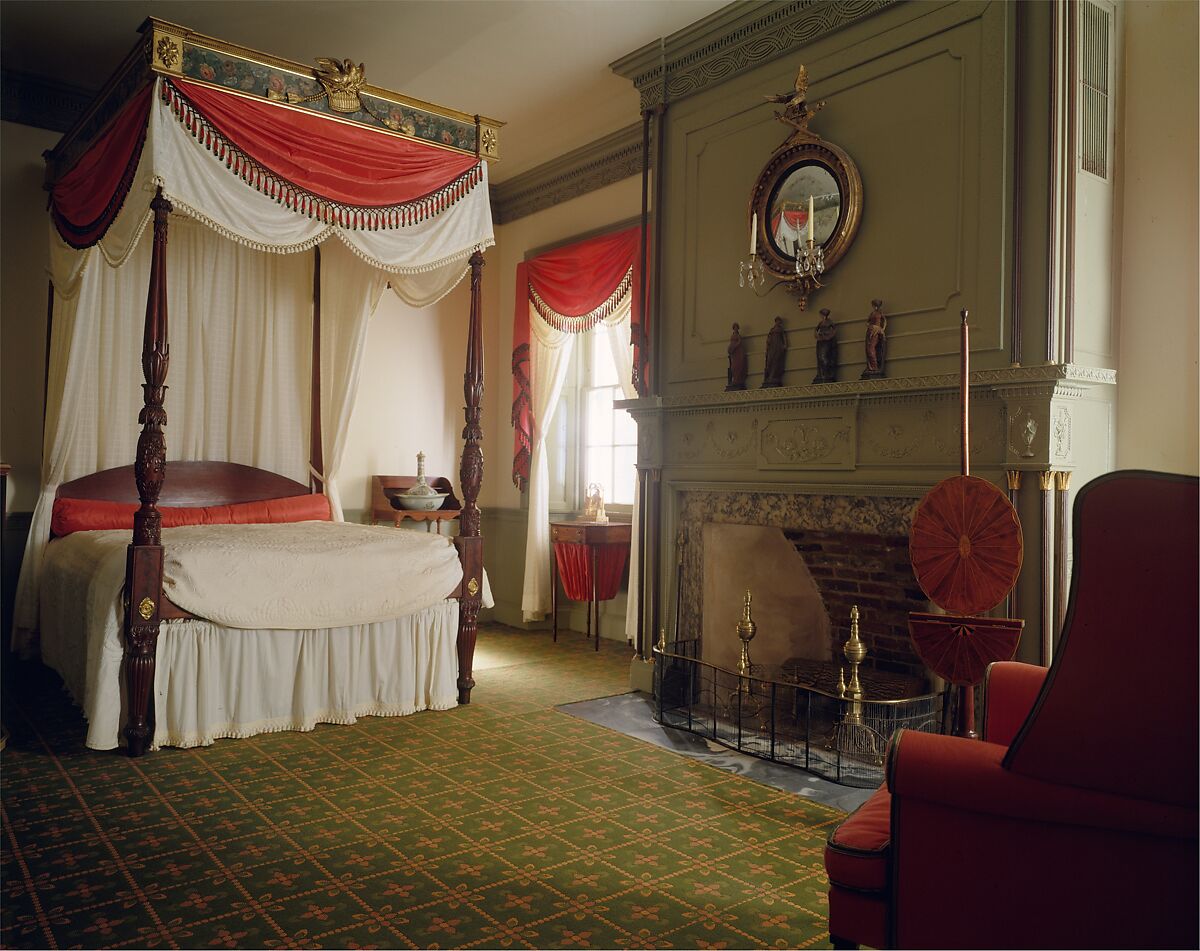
(23,277)
(410,399)
(1157,421)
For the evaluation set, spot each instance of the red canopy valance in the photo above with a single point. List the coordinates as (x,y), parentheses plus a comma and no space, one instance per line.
(337,172)
(84,202)
(333,162)
(572,288)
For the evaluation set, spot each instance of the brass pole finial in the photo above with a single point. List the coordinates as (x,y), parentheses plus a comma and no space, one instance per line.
(746,630)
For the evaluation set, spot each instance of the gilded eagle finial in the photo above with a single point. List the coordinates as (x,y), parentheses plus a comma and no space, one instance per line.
(797,112)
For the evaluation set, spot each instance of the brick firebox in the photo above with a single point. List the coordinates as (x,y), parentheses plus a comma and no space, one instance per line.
(873,572)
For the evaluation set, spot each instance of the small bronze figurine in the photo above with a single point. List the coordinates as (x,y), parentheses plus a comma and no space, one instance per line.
(827,347)
(736,375)
(876,344)
(776,355)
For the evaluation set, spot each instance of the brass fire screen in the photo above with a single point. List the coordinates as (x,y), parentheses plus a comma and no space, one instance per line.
(765,713)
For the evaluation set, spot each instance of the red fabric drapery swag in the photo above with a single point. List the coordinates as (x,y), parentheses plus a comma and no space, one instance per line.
(341,163)
(86,200)
(340,173)
(572,288)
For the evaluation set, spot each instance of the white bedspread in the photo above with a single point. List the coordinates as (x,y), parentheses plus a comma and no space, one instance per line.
(302,575)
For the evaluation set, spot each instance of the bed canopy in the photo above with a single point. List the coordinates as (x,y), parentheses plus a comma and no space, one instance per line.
(245,160)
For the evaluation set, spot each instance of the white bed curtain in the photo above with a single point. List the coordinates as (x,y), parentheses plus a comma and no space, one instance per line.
(238,385)
(549,358)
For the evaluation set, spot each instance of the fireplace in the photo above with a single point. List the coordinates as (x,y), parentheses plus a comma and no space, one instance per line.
(807,559)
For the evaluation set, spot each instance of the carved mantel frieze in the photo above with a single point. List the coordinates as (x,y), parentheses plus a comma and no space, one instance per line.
(1021,418)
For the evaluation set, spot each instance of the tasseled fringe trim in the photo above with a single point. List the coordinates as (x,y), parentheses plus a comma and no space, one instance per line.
(584,322)
(240,731)
(304,202)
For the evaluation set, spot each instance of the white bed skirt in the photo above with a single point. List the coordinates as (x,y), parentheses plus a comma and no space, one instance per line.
(212,682)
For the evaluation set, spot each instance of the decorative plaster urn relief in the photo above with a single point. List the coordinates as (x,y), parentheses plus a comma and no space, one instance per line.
(788,609)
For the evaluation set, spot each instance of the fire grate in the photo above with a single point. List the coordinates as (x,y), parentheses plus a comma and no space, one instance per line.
(767,713)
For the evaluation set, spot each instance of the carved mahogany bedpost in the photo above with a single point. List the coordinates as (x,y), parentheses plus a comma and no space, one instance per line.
(470,473)
(316,456)
(144,562)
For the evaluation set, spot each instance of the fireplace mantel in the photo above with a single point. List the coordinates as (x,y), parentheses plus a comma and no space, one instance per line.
(1022,418)
(887,440)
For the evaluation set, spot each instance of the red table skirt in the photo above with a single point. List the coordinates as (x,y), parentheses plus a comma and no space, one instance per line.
(575,569)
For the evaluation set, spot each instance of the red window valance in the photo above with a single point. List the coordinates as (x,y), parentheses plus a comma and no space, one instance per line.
(572,288)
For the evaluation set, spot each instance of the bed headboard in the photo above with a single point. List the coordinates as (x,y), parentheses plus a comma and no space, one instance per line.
(190,484)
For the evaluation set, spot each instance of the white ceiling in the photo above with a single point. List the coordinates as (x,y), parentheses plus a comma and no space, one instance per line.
(541,66)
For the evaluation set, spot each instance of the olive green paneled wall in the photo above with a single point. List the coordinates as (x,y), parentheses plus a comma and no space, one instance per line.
(917,95)
(947,109)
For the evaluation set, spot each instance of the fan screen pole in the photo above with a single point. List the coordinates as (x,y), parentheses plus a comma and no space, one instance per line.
(963,388)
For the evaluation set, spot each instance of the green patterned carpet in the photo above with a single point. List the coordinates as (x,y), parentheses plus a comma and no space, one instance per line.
(505,824)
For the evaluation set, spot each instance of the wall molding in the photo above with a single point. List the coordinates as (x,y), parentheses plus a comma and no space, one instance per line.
(40,102)
(733,41)
(605,161)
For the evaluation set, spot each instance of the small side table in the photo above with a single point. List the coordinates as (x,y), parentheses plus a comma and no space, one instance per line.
(385,487)
(590,559)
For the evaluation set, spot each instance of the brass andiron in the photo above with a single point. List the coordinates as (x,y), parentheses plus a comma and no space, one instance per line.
(661,646)
(855,652)
(746,629)
(851,735)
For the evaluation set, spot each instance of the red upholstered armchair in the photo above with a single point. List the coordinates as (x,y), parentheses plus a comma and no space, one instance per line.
(1073,823)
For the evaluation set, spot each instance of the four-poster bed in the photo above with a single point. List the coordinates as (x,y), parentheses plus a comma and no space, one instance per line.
(204,139)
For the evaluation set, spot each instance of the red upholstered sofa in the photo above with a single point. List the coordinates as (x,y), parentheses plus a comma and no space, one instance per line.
(1073,823)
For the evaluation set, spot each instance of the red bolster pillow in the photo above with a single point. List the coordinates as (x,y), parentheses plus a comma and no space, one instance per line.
(85,515)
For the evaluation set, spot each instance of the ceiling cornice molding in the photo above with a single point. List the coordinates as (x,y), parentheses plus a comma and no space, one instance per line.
(40,102)
(732,41)
(603,162)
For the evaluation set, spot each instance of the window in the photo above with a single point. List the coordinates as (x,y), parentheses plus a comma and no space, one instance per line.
(591,440)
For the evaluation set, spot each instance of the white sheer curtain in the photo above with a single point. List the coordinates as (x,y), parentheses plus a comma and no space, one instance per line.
(549,358)
(350,292)
(619,334)
(238,384)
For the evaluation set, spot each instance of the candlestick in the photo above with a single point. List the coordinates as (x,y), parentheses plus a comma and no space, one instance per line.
(810,219)
(754,234)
